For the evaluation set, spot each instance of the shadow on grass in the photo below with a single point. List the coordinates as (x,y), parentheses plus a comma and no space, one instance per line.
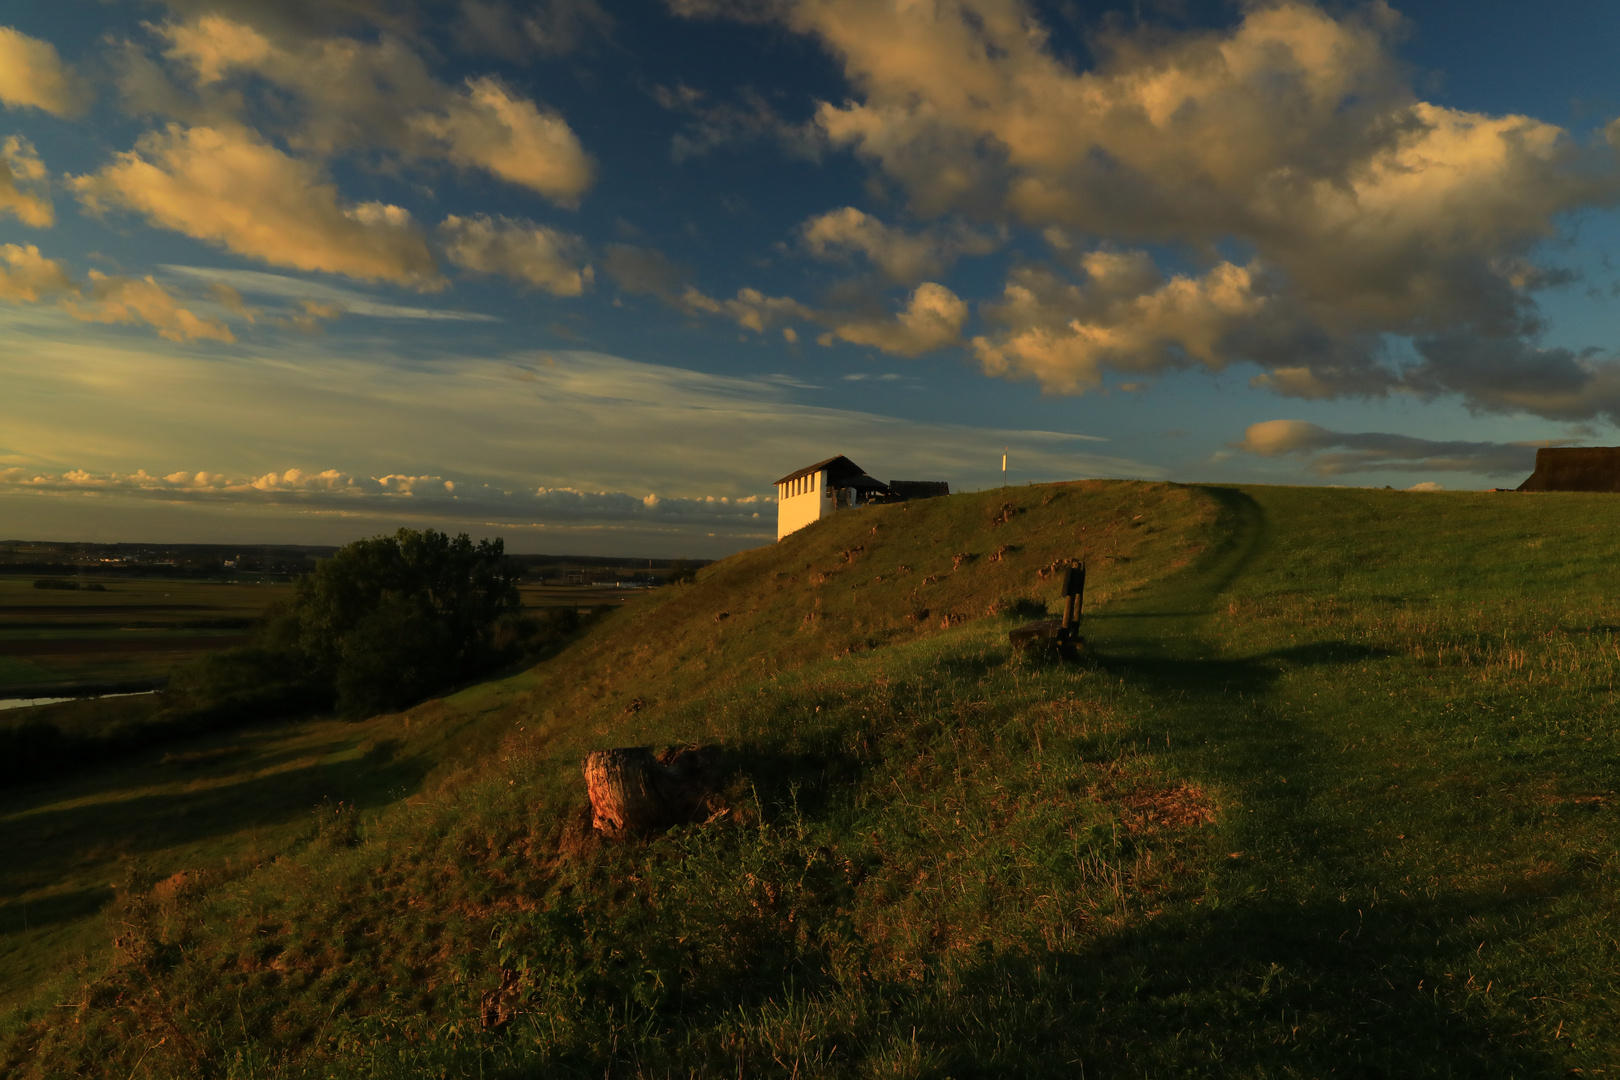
(114,826)
(18,917)
(1263,989)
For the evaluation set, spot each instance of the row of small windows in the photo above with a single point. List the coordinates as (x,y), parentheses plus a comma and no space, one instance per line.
(800,486)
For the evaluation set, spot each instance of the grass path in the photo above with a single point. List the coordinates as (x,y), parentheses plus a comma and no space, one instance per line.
(1400,883)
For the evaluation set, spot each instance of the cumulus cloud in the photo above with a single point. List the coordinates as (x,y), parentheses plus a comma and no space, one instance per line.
(32,75)
(29,277)
(143,301)
(903,257)
(1293,135)
(486,126)
(352,94)
(750,308)
(1124,316)
(23,190)
(931,319)
(1333,453)
(230,187)
(519,249)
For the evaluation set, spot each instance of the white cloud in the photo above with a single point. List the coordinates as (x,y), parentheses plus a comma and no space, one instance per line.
(32,75)
(522,250)
(24,190)
(230,187)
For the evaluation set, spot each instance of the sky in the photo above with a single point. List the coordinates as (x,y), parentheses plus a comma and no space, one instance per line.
(590,275)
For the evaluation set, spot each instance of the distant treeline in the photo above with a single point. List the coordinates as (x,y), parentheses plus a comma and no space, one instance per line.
(68,586)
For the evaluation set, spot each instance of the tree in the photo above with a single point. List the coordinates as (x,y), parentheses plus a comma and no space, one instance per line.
(390,620)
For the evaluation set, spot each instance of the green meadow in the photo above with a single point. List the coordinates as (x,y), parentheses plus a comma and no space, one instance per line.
(1333,791)
(129,628)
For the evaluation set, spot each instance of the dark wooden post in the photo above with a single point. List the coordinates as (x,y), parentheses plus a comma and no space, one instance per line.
(1074,592)
(1060,634)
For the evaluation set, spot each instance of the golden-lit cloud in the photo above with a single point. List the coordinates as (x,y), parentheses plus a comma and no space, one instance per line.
(230,187)
(904,257)
(23,189)
(521,250)
(750,308)
(354,94)
(143,301)
(1294,134)
(32,75)
(485,126)
(28,276)
(1124,317)
(932,319)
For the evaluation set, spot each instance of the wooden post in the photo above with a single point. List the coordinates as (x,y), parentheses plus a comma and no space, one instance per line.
(1074,591)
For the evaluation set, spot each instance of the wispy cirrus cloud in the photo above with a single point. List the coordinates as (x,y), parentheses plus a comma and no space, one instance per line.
(335,297)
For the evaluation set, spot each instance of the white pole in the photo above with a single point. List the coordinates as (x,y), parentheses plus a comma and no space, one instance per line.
(1003,466)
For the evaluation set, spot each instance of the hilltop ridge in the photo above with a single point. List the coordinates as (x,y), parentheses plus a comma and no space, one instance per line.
(1333,790)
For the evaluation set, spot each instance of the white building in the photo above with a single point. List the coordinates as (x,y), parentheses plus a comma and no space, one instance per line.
(815,491)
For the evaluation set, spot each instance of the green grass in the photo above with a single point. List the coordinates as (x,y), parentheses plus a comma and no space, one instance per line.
(1333,793)
(135,629)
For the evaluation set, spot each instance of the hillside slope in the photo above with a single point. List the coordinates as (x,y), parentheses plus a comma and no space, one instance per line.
(1334,792)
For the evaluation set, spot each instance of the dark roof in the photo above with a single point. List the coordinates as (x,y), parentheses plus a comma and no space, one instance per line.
(841,472)
(1575,468)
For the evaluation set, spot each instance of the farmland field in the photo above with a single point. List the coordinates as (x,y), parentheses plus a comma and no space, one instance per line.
(141,629)
(136,629)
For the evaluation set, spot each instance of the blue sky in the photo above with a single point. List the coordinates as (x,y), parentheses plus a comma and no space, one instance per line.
(591,275)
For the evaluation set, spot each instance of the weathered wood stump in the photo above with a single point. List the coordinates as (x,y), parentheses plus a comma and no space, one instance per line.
(1047,635)
(632,790)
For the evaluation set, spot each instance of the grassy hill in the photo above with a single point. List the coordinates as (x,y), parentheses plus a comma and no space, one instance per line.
(1334,792)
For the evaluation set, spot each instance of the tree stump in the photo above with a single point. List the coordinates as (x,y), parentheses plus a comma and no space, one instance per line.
(634,791)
